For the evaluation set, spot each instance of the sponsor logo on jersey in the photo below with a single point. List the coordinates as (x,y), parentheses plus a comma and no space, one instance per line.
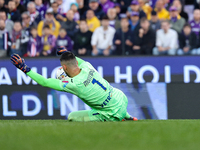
(108,98)
(106,101)
(66,82)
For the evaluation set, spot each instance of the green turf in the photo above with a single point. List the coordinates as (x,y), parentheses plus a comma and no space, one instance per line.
(60,134)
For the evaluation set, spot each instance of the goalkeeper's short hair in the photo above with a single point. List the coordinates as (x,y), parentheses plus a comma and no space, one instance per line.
(67,56)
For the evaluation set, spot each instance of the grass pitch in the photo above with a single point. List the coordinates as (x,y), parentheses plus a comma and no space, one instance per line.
(63,135)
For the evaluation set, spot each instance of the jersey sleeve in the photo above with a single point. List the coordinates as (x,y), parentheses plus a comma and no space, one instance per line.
(70,86)
(50,82)
(56,84)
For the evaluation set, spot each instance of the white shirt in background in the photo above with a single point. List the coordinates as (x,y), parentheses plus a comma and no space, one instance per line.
(169,39)
(66,5)
(102,39)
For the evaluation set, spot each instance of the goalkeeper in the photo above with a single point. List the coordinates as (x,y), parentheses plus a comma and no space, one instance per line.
(107,103)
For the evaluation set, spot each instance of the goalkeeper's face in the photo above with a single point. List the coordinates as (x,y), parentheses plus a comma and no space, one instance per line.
(65,69)
(70,67)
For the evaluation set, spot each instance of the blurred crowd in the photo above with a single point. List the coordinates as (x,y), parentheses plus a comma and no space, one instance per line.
(98,27)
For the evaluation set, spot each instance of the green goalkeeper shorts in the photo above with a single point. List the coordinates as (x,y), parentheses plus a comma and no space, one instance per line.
(115,114)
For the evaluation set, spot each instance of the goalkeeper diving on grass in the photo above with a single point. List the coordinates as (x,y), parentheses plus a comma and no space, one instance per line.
(107,103)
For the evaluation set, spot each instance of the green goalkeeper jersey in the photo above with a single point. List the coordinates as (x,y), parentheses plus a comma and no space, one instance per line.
(89,86)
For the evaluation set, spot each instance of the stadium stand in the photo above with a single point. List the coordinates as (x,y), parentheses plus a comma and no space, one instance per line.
(128,29)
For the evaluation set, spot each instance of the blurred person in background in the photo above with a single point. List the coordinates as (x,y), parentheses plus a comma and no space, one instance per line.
(187,41)
(35,45)
(4,40)
(64,40)
(102,38)
(113,19)
(145,7)
(161,11)
(25,2)
(40,8)
(118,10)
(124,4)
(51,22)
(19,40)
(154,22)
(13,14)
(56,15)
(106,4)
(66,5)
(74,8)
(92,21)
(81,8)
(144,39)
(82,40)
(2,6)
(34,14)
(166,40)
(60,16)
(198,47)
(20,7)
(48,41)
(196,4)
(135,7)
(70,25)
(9,23)
(195,23)
(94,5)
(167,4)
(122,39)
(182,13)
(61,13)
(177,22)
(134,22)
(54,6)
(152,3)
(26,23)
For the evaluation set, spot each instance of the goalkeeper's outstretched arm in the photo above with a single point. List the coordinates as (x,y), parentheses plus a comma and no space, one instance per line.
(50,82)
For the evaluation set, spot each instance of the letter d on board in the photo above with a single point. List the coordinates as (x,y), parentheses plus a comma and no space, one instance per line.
(187,69)
(25,100)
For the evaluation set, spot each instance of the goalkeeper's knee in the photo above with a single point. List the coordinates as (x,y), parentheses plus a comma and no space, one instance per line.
(72,117)
(76,117)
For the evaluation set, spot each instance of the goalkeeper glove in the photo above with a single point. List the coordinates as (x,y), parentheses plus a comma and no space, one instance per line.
(61,50)
(19,63)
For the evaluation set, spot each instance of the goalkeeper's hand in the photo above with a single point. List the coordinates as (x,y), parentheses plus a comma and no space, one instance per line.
(19,63)
(61,50)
